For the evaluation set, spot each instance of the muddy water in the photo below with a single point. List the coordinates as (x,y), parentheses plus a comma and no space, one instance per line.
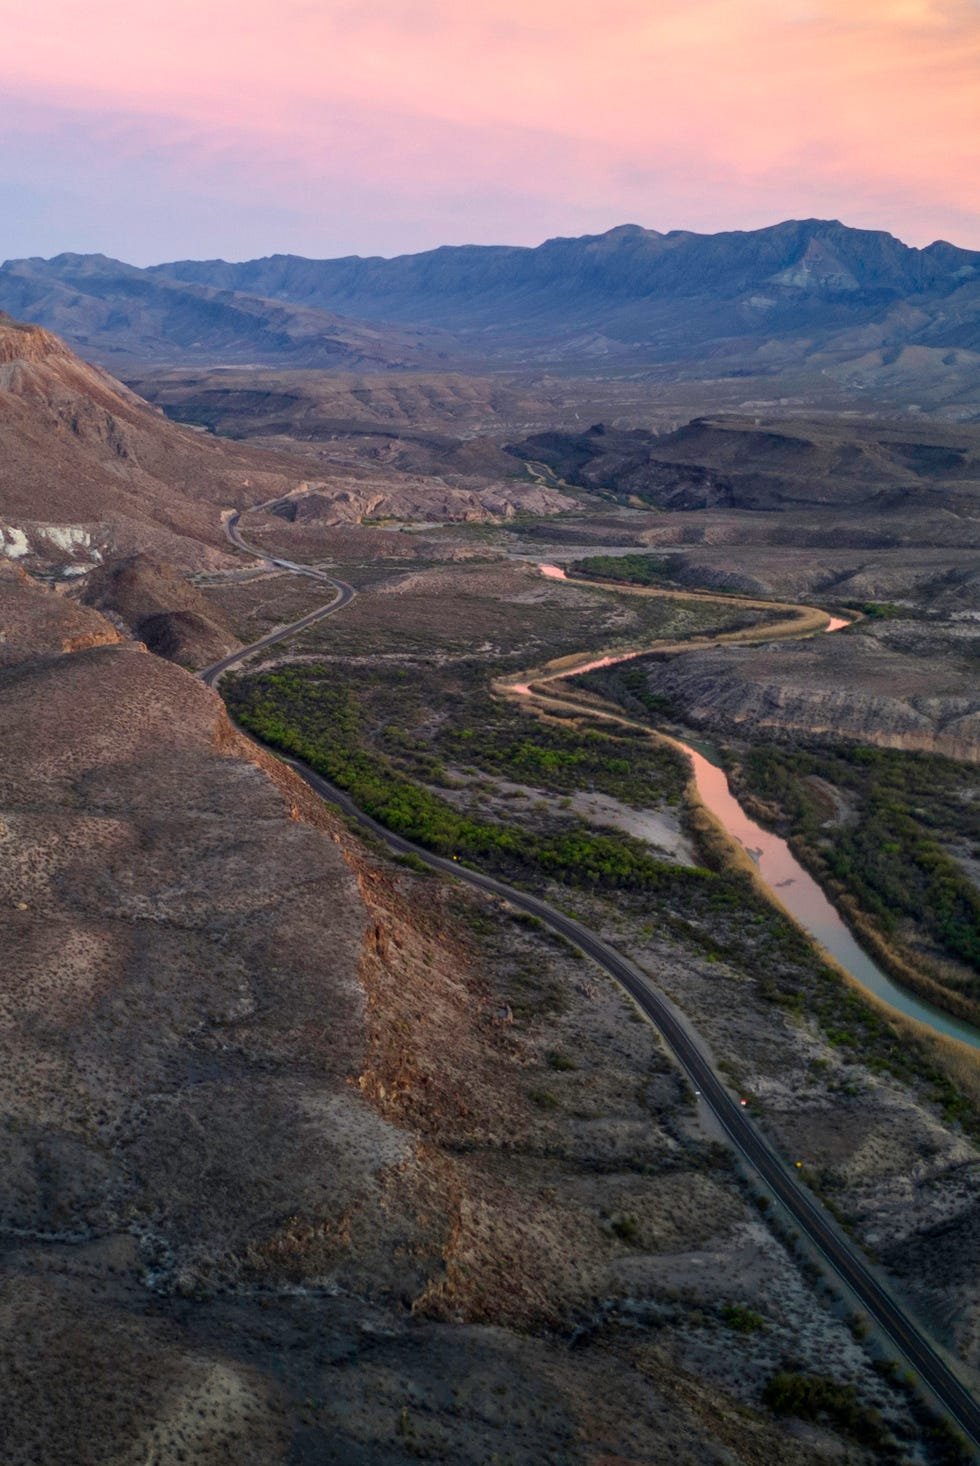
(803,898)
(794,887)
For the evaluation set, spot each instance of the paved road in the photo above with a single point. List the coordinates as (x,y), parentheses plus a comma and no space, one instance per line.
(799,1206)
(344,595)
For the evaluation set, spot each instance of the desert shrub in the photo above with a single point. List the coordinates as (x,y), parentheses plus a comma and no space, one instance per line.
(817,1397)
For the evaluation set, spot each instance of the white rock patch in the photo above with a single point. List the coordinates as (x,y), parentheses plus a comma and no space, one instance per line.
(13,543)
(67,536)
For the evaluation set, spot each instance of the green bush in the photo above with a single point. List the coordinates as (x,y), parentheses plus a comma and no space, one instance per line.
(817,1397)
(633,569)
(889,856)
(742,1320)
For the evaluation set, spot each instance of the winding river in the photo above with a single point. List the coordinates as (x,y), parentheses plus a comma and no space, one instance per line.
(790,884)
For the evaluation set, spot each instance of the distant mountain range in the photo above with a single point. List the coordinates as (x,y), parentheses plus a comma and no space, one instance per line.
(857,304)
(114,312)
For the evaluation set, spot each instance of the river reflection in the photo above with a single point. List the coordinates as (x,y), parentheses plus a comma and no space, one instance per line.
(794,888)
(802,897)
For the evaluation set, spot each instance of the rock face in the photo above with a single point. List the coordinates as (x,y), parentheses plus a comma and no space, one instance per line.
(428,499)
(851,686)
(88,468)
(737,463)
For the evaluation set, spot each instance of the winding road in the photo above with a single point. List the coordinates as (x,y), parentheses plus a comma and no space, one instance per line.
(344,595)
(799,1207)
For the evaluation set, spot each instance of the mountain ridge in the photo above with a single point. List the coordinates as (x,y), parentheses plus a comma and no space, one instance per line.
(107,307)
(787,254)
(815,294)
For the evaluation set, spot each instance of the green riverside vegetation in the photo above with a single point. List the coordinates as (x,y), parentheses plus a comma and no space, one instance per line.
(320,722)
(339,720)
(888,851)
(636,569)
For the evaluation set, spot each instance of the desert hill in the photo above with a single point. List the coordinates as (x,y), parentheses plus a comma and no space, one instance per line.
(90,469)
(160,607)
(776,464)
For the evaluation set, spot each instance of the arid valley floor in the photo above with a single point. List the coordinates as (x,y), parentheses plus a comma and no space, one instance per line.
(310,1154)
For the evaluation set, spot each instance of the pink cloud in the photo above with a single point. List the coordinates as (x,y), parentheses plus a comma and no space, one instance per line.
(710,113)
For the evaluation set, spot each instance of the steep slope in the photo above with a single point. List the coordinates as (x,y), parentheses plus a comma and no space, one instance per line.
(89,469)
(118,313)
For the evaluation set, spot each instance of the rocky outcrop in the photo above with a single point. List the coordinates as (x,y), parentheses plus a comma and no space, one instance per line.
(88,466)
(22,342)
(847,686)
(414,498)
(34,623)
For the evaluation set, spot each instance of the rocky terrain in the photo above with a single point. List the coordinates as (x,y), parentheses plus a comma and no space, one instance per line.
(279,1179)
(901,686)
(807,306)
(310,1156)
(877,468)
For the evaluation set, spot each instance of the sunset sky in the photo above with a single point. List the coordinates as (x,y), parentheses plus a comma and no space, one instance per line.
(325,127)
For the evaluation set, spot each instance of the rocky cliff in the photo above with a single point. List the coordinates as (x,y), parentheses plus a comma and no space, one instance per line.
(852,686)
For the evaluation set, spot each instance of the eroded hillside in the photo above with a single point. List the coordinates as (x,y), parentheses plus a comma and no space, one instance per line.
(277,1176)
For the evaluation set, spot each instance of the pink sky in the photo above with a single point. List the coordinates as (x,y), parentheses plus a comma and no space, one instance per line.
(240,127)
